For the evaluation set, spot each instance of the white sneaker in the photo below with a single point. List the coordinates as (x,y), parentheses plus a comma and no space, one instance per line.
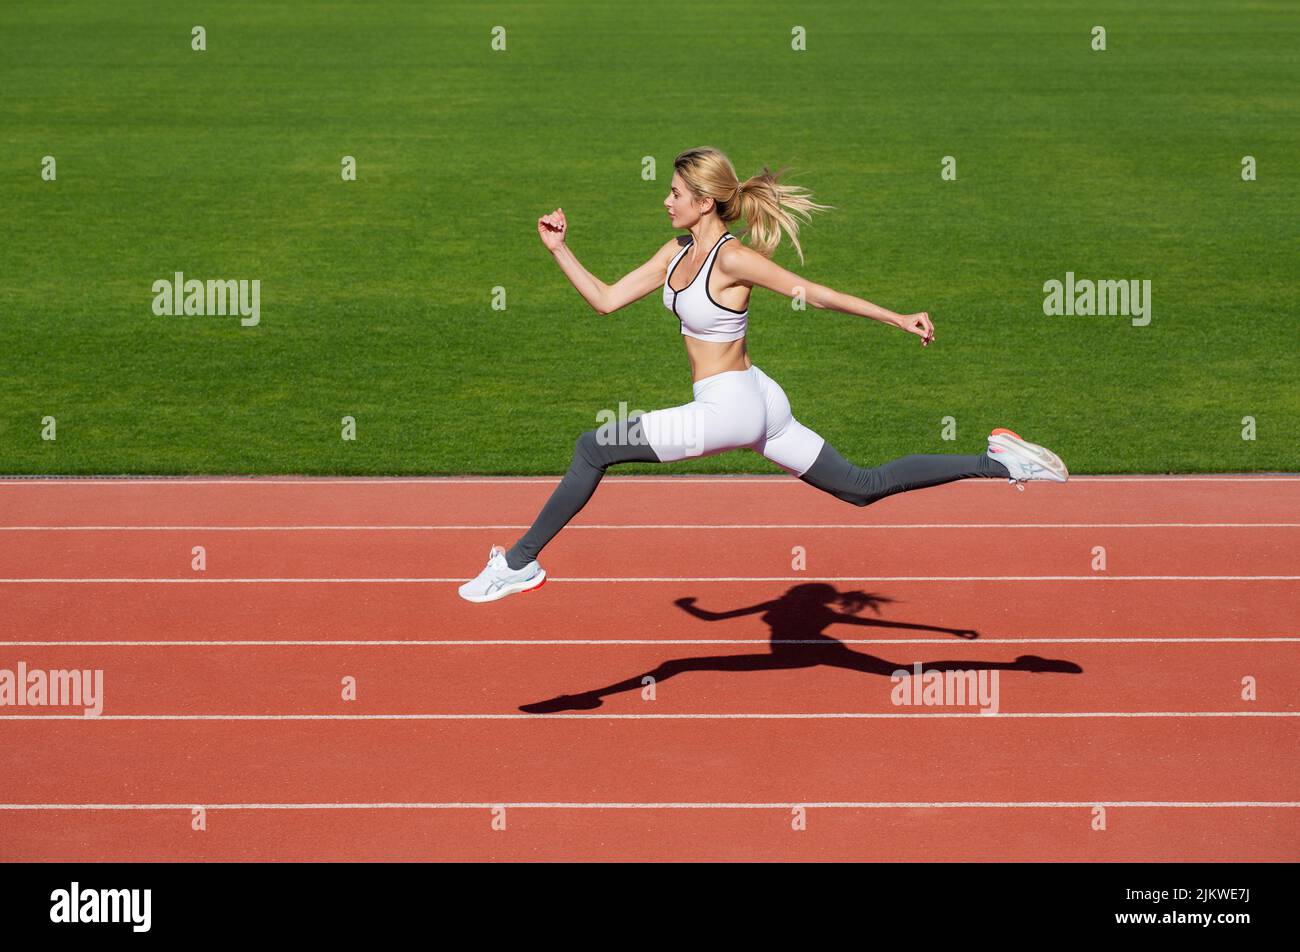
(499,580)
(1025,460)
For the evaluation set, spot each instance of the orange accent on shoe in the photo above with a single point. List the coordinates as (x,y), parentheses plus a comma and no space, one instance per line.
(1002,429)
(535,587)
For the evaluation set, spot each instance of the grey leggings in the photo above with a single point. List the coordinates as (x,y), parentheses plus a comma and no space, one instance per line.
(830,473)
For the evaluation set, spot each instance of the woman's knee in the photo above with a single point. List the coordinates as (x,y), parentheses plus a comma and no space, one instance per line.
(599,452)
(586,446)
(832,473)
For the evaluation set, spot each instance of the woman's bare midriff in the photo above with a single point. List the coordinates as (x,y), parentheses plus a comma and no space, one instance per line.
(716,357)
(713,357)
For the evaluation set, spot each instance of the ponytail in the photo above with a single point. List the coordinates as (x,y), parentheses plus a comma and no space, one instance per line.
(770,207)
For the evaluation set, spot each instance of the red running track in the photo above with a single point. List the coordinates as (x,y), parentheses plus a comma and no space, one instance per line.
(772,707)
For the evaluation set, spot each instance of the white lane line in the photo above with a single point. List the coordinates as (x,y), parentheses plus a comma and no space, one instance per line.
(587,805)
(774,479)
(597,642)
(680,526)
(978,715)
(670,578)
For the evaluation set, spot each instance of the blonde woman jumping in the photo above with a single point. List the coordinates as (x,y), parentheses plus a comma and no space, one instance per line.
(707,277)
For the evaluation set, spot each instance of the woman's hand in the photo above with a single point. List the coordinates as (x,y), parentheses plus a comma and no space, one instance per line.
(552,228)
(920,325)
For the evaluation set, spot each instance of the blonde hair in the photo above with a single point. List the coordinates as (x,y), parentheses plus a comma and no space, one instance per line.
(767,206)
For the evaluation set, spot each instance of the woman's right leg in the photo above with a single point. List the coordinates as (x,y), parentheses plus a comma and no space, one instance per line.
(832,473)
(803,453)
(591,457)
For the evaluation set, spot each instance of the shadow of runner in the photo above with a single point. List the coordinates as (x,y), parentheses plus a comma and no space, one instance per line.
(797,621)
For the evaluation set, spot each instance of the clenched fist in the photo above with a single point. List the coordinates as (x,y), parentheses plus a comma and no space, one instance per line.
(552,228)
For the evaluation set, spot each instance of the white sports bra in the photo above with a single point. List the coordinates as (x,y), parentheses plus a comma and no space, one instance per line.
(702,317)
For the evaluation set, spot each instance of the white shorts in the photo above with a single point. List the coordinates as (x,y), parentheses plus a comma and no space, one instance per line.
(736,409)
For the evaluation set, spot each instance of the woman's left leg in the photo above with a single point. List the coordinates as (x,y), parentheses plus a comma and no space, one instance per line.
(724,415)
(592,455)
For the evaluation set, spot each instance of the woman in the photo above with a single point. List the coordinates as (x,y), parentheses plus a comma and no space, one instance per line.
(706,279)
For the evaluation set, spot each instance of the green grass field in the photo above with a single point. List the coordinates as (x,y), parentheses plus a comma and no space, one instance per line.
(376,294)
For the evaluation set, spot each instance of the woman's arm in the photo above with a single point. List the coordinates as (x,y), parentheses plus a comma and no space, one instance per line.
(967,633)
(746,264)
(603,298)
(588,285)
(688,605)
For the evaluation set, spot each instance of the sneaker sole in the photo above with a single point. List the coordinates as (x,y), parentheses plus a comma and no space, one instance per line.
(1041,455)
(531,585)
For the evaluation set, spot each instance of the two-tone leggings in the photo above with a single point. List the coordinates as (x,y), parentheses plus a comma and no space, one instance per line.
(737,409)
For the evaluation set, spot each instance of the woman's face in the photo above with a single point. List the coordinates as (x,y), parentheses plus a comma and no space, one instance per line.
(683,208)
